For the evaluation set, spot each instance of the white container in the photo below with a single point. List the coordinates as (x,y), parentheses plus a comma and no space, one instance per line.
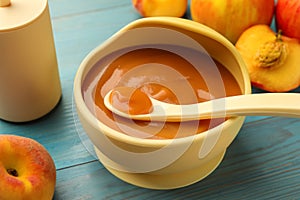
(29,77)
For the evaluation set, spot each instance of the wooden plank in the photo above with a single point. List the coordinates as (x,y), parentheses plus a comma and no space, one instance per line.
(263,162)
(63,8)
(58,136)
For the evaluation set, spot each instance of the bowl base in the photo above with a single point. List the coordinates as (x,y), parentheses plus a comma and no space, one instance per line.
(166,181)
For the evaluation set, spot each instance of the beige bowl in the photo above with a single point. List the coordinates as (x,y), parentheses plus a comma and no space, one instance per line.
(158,163)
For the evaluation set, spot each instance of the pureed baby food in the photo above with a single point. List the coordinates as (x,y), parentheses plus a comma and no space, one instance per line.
(169,73)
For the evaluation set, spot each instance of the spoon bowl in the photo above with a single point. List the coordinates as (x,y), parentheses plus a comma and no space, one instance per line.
(268,104)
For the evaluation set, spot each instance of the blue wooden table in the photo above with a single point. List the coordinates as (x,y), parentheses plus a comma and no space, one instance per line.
(263,162)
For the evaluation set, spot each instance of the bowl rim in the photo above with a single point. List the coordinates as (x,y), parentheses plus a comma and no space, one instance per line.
(156,143)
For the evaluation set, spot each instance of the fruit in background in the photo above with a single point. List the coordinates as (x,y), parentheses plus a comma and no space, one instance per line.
(152,8)
(27,170)
(232,17)
(288,17)
(272,59)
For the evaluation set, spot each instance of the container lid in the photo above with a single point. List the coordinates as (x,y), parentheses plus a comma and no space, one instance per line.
(15,14)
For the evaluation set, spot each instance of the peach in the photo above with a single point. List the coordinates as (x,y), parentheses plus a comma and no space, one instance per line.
(231,18)
(153,8)
(272,59)
(27,170)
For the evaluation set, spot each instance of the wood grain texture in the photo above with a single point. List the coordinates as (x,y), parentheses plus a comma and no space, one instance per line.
(263,162)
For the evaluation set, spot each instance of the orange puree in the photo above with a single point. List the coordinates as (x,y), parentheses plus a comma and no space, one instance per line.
(177,75)
(130,100)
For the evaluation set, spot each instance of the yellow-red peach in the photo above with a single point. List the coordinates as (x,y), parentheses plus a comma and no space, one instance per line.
(27,171)
(232,17)
(154,8)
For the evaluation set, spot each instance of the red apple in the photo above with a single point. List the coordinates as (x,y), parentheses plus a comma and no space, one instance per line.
(27,170)
(232,17)
(288,17)
(153,8)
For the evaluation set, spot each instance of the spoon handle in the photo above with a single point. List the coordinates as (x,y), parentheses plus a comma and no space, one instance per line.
(266,104)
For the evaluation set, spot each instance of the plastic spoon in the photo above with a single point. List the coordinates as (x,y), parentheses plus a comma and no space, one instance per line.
(265,104)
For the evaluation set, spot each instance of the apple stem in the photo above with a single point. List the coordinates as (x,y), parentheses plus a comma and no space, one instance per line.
(12,172)
(278,36)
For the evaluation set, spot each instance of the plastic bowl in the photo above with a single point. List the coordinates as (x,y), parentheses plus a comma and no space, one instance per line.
(162,163)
